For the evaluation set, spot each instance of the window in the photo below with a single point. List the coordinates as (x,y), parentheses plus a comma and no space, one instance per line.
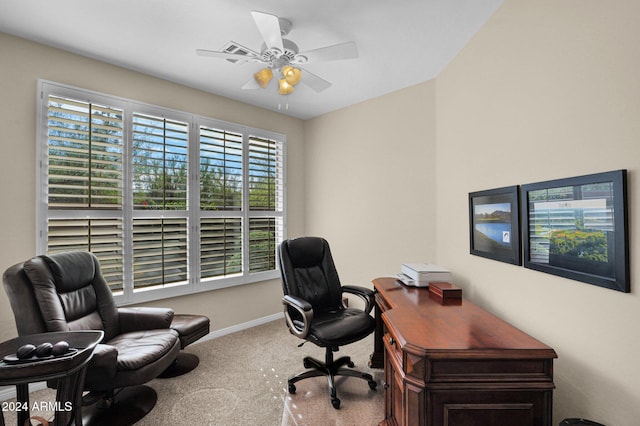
(170,203)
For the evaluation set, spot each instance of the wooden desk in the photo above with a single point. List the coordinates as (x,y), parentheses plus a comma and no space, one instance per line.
(457,365)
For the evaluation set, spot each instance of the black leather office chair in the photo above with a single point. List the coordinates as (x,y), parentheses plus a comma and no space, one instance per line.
(66,292)
(314,310)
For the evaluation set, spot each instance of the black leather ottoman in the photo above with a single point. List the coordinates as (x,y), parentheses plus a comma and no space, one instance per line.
(190,328)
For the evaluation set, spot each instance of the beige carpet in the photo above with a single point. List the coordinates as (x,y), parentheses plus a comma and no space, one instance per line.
(242,380)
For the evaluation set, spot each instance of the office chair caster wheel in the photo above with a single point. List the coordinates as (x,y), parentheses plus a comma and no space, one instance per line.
(292,388)
(350,364)
(372,384)
(335,402)
(306,363)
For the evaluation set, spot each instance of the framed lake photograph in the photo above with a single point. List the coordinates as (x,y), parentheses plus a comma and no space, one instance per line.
(577,228)
(494,224)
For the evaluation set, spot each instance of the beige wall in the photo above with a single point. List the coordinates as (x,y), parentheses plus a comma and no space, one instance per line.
(548,89)
(22,64)
(371,183)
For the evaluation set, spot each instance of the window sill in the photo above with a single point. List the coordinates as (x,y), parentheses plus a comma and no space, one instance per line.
(160,293)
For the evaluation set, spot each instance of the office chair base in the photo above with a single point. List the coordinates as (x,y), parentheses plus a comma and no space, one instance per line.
(330,369)
(128,406)
(184,363)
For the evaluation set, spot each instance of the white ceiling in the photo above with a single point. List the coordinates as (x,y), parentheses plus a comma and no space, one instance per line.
(400,43)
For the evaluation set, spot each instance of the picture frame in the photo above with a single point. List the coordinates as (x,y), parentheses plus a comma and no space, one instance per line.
(494,224)
(577,228)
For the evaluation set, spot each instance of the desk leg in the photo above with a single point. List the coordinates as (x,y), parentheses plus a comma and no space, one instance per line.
(376,360)
(22,396)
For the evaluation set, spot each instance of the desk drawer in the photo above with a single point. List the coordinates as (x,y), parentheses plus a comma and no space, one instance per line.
(488,370)
(381,302)
(394,387)
(392,347)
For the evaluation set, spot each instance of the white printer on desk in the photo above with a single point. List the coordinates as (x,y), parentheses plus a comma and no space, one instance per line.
(421,274)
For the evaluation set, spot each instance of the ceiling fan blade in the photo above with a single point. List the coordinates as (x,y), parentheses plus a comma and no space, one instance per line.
(313,81)
(251,84)
(226,55)
(269,28)
(347,50)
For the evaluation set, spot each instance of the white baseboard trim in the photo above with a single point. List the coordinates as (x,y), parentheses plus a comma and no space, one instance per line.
(9,392)
(243,326)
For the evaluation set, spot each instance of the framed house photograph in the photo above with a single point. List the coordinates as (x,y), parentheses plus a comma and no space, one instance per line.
(494,224)
(577,228)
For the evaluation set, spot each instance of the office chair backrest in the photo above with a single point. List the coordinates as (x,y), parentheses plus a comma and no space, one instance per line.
(308,272)
(71,293)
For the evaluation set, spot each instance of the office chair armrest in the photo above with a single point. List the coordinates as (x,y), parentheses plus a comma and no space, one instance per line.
(366,294)
(144,318)
(305,311)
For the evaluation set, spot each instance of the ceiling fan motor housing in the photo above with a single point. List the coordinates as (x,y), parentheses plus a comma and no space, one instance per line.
(278,59)
(285,26)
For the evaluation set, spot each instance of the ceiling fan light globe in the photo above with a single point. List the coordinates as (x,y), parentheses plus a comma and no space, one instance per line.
(284,87)
(291,74)
(263,77)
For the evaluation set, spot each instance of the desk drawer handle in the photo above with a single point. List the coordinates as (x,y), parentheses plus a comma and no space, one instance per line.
(392,341)
(385,385)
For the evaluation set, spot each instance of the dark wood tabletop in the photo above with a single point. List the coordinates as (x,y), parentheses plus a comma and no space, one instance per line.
(68,369)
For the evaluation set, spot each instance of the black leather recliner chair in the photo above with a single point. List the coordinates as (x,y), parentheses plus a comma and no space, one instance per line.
(314,310)
(66,292)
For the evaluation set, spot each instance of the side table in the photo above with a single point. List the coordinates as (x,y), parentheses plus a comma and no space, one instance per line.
(69,371)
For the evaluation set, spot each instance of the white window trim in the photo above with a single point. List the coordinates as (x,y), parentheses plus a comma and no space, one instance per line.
(194,284)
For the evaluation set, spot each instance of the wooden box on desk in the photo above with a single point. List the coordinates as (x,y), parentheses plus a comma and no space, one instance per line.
(445,293)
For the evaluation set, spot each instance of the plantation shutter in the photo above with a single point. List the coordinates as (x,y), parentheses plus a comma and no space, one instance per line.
(266,192)
(220,170)
(159,163)
(85,155)
(220,194)
(160,178)
(265,166)
(159,252)
(85,181)
(220,247)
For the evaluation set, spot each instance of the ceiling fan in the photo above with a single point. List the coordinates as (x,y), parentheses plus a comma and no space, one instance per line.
(281,56)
